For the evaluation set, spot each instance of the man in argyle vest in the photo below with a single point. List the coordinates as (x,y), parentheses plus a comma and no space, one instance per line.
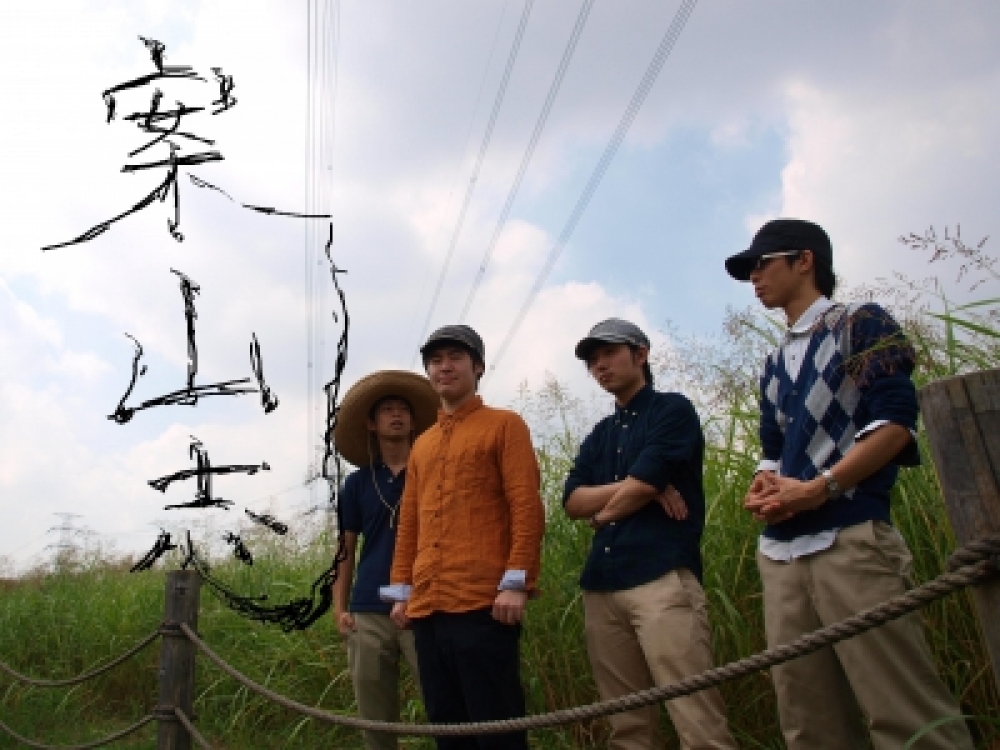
(838,414)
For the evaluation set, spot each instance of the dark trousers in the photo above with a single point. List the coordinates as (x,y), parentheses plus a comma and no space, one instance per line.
(469,671)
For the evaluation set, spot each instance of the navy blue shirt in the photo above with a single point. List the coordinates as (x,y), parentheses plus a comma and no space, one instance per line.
(657,439)
(364,512)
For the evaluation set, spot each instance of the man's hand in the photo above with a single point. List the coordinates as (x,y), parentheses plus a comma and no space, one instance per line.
(773,499)
(508,607)
(672,503)
(398,615)
(345,623)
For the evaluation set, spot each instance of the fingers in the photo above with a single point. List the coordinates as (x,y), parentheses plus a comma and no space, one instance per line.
(398,615)
(508,607)
(673,504)
(345,623)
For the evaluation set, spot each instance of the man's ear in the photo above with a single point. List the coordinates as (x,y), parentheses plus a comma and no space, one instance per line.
(808,259)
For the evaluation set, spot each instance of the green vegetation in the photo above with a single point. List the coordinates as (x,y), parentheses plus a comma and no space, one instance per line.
(59,625)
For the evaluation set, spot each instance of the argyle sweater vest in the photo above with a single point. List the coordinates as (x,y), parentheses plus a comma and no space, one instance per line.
(856,370)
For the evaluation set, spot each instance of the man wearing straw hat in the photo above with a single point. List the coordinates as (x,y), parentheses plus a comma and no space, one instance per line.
(469,547)
(379,419)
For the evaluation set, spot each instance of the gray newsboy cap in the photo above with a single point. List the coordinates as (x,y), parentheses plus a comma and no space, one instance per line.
(456,334)
(611,331)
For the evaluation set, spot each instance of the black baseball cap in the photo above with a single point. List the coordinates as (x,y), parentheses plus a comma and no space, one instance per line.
(462,335)
(782,235)
(611,331)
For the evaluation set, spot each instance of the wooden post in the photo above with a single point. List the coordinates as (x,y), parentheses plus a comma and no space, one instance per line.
(962,417)
(177,658)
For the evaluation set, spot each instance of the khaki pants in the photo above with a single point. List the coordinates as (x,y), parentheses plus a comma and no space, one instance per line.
(887,672)
(652,635)
(373,652)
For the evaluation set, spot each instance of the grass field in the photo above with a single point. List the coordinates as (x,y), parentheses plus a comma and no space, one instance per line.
(57,625)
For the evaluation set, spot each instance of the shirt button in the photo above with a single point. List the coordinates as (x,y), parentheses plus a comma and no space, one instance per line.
(607,549)
(619,450)
(791,419)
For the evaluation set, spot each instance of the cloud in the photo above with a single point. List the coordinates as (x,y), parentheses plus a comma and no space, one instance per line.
(875,122)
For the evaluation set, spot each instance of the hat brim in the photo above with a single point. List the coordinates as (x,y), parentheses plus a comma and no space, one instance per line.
(741,265)
(586,346)
(351,435)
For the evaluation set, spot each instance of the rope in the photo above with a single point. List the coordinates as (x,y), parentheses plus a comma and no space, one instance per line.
(97,743)
(986,554)
(195,735)
(87,675)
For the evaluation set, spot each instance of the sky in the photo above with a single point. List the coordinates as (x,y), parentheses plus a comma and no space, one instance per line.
(873,119)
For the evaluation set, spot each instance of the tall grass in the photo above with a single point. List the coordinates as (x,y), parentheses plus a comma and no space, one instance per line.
(62,624)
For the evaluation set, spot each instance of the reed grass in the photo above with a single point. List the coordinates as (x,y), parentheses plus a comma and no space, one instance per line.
(60,624)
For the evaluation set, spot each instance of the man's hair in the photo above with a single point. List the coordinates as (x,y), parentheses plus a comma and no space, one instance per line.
(647,371)
(373,410)
(823,275)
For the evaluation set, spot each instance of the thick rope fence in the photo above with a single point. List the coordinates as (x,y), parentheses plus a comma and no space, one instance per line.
(969,565)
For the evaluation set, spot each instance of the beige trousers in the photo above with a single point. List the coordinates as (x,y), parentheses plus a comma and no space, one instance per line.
(652,635)
(373,652)
(888,673)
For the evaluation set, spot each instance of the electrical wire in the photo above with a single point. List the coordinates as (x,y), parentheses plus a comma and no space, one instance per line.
(581,21)
(662,53)
(487,136)
(465,147)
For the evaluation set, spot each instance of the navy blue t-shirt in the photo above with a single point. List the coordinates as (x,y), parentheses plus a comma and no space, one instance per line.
(363,512)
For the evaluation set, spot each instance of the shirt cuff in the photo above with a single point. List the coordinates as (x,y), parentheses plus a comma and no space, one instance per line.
(513,580)
(767,464)
(396,592)
(874,425)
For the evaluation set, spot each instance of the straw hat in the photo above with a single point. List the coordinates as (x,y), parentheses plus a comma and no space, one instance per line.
(351,434)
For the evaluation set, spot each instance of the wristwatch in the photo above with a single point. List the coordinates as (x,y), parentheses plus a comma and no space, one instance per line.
(833,488)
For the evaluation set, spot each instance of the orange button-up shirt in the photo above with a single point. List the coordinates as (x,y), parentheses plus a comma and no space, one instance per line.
(471,510)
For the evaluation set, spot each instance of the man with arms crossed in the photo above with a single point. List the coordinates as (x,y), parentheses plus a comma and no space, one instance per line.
(379,419)
(469,546)
(646,619)
(838,410)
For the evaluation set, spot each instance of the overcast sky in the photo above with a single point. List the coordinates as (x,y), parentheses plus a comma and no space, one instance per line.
(874,119)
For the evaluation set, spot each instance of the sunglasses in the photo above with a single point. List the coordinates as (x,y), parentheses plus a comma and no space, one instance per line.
(762,261)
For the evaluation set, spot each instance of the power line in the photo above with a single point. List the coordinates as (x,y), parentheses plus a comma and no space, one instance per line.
(323,44)
(525,13)
(468,137)
(662,53)
(581,21)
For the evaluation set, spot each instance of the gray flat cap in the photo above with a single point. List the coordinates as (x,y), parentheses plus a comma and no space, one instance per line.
(456,334)
(611,331)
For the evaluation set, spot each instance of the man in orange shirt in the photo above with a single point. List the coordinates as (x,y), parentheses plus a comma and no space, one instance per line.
(468,547)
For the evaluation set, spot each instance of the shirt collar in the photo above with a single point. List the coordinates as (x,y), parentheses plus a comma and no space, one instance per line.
(636,403)
(812,313)
(463,411)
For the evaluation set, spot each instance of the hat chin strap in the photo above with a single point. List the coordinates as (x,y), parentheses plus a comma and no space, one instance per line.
(371,465)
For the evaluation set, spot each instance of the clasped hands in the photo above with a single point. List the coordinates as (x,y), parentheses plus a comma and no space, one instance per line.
(773,499)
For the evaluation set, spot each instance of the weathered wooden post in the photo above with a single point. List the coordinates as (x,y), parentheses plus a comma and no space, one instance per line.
(962,417)
(177,657)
